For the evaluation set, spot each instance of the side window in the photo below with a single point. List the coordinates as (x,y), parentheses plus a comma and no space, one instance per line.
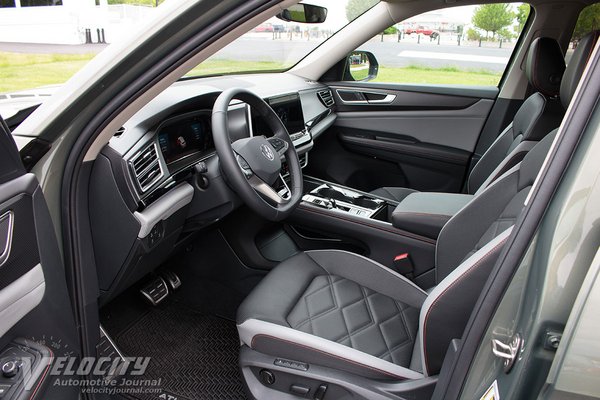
(588,21)
(467,45)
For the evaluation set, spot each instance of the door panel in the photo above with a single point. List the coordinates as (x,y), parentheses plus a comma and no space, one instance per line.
(36,317)
(420,137)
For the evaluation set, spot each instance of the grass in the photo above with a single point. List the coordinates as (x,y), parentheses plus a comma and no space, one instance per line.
(438,76)
(25,71)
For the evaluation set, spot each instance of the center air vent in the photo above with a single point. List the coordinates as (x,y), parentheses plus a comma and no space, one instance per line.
(326,98)
(146,167)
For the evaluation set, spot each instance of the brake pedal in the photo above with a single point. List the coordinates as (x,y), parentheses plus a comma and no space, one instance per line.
(171,278)
(156,291)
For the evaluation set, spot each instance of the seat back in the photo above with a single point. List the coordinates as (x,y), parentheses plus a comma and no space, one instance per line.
(470,243)
(539,114)
(473,240)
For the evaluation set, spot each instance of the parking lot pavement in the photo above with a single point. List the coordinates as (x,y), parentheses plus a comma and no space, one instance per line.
(410,50)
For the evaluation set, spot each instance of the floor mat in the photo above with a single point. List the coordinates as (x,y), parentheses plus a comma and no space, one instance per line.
(194,355)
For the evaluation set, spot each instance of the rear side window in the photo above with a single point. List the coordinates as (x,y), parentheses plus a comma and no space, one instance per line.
(588,21)
(467,45)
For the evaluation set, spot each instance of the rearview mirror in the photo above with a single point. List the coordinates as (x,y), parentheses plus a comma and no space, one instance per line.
(361,66)
(304,13)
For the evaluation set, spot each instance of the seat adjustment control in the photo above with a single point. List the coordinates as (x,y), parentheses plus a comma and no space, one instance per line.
(320,392)
(299,390)
(4,390)
(267,377)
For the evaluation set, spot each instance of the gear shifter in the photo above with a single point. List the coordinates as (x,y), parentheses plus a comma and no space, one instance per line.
(344,200)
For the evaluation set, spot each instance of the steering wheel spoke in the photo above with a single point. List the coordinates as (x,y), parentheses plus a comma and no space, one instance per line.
(267,192)
(244,166)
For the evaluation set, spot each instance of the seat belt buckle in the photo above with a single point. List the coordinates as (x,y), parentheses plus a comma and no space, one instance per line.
(404,265)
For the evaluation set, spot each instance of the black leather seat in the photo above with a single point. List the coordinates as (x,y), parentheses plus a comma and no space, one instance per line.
(331,310)
(344,311)
(537,116)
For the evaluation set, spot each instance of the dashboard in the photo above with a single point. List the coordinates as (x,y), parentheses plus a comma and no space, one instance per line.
(186,135)
(159,180)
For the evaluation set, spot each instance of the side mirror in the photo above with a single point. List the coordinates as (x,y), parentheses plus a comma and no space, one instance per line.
(304,13)
(361,66)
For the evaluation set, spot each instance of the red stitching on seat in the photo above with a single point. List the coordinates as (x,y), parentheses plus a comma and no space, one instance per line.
(425,361)
(328,354)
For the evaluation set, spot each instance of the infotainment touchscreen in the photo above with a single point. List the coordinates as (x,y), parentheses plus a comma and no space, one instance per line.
(289,110)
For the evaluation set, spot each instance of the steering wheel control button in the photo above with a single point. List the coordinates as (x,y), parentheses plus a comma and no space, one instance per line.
(10,369)
(278,144)
(267,377)
(300,366)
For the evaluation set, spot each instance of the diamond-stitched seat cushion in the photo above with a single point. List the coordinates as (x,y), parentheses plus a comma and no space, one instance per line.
(342,311)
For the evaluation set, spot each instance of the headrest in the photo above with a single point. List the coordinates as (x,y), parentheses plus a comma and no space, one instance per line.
(536,117)
(545,66)
(577,64)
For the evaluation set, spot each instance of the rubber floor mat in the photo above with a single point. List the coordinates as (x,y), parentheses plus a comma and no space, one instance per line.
(194,355)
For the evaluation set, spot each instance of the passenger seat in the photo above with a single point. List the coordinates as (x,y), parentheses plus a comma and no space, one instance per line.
(539,114)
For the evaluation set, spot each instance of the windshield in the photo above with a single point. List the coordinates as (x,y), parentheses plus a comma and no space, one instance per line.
(46,42)
(277,45)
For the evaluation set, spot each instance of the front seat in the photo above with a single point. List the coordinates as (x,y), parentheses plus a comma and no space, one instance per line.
(338,317)
(537,116)
(344,311)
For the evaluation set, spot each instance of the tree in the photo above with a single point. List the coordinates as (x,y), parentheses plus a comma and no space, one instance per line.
(354,8)
(153,3)
(522,15)
(392,30)
(473,35)
(505,34)
(493,17)
(589,20)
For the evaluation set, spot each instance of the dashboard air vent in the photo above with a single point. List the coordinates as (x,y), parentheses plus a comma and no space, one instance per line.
(326,98)
(146,167)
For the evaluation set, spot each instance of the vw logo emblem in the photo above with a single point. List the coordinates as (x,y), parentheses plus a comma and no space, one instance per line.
(267,152)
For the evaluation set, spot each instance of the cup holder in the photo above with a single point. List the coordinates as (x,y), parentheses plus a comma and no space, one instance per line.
(334,194)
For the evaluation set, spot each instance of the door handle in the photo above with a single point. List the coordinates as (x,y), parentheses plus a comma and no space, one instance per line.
(6,235)
(362,97)
(508,352)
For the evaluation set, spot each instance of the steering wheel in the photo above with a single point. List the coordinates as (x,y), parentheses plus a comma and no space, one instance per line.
(253,165)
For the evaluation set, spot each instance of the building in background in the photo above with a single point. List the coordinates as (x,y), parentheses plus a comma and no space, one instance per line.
(68,21)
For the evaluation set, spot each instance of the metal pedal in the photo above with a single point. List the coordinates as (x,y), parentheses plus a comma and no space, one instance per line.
(171,278)
(156,291)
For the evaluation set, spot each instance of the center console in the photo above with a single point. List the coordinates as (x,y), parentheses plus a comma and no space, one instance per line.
(344,200)
(401,236)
